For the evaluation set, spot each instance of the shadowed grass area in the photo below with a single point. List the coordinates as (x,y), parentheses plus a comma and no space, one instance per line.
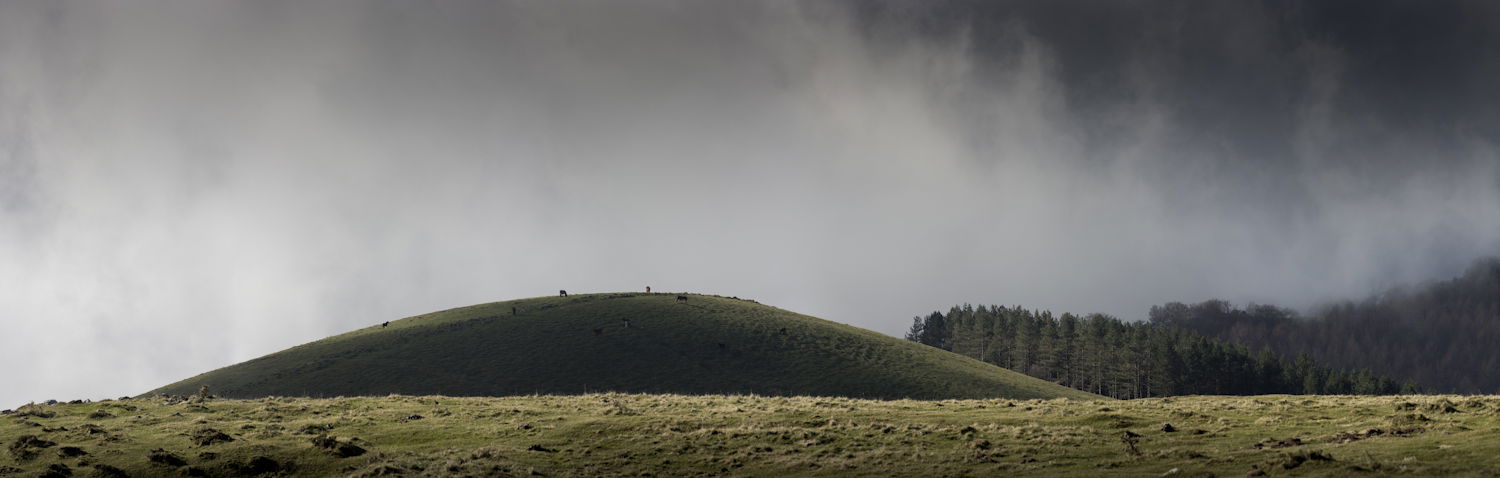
(623,342)
(675,435)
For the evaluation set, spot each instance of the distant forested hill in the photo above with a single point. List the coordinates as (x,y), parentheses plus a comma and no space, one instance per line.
(1443,335)
(1107,356)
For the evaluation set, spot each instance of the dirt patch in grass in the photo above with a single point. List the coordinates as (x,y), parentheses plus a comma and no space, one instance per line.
(163,457)
(56,470)
(26,447)
(35,411)
(336,447)
(1347,437)
(1273,443)
(70,452)
(541,449)
(106,471)
(260,465)
(1294,460)
(380,469)
(90,429)
(209,436)
(316,429)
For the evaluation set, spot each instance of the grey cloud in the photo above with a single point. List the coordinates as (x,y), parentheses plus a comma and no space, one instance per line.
(192,184)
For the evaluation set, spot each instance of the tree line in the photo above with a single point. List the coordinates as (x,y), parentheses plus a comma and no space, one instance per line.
(1104,355)
(1443,335)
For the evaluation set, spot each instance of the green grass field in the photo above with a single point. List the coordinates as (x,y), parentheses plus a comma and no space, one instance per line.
(675,435)
(712,386)
(623,342)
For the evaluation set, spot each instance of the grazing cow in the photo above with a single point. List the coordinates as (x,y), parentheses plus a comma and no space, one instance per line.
(783,331)
(387,324)
(722,346)
(562,293)
(682,298)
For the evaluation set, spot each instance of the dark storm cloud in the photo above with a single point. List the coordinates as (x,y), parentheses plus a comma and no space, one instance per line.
(185,185)
(1244,74)
(1286,115)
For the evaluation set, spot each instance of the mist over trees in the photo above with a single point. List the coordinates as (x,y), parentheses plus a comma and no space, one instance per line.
(1104,355)
(1442,335)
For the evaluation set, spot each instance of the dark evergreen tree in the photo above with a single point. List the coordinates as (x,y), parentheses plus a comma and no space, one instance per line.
(933,330)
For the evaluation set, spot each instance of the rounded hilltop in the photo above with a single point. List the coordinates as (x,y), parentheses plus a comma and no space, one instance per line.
(619,342)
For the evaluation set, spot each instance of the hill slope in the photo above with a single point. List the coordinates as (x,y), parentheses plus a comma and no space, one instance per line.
(646,343)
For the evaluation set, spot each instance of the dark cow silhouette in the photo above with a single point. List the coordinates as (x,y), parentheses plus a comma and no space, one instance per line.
(682,298)
(722,346)
(387,324)
(598,331)
(783,331)
(562,293)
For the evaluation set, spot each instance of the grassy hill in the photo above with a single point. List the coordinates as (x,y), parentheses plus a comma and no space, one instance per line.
(635,343)
(711,435)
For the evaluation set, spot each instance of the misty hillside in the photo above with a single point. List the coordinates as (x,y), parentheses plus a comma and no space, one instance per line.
(1105,355)
(1443,335)
(638,343)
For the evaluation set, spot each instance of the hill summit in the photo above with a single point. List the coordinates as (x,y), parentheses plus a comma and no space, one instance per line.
(619,342)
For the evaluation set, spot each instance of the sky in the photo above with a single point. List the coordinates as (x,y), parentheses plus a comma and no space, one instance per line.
(185,185)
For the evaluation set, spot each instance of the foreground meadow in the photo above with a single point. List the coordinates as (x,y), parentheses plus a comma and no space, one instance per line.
(669,435)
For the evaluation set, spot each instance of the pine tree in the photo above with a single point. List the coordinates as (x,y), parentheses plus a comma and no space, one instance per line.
(935,331)
(915,334)
(1067,354)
